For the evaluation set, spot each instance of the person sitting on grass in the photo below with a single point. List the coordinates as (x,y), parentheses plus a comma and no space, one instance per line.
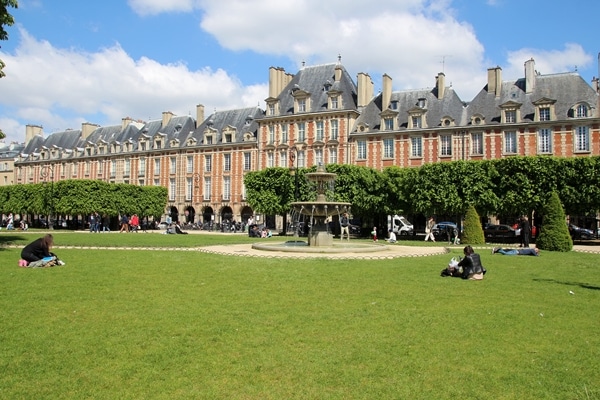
(38,254)
(391,237)
(471,265)
(526,251)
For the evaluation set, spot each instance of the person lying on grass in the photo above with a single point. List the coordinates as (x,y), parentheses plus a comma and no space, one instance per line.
(526,251)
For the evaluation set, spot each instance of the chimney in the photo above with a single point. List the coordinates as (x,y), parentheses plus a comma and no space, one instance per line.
(365,89)
(31,131)
(273,82)
(166,117)
(386,96)
(338,73)
(529,76)
(494,81)
(125,122)
(440,83)
(199,114)
(87,128)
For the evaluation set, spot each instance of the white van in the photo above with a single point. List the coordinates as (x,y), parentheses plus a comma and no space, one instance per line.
(400,225)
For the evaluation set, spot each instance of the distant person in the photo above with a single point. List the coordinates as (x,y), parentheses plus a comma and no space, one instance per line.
(526,251)
(124,223)
(391,237)
(134,223)
(345,226)
(374,233)
(525,231)
(105,223)
(38,253)
(429,229)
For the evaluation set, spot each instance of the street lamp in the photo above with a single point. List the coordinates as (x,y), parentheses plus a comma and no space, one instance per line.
(47,173)
(294,171)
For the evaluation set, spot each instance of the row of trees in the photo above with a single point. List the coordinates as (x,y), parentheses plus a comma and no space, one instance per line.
(506,187)
(82,197)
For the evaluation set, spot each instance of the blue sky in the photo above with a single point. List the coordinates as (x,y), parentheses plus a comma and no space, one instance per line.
(74,61)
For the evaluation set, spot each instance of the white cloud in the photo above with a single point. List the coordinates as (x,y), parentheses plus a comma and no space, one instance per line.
(153,7)
(570,58)
(44,83)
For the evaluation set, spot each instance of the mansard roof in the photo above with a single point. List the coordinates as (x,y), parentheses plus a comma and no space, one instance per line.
(242,120)
(316,81)
(407,102)
(68,139)
(564,89)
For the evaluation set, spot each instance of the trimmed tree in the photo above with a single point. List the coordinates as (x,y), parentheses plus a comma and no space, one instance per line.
(554,235)
(472,233)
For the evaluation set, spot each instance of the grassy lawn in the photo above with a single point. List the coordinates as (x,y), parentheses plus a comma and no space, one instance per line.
(148,324)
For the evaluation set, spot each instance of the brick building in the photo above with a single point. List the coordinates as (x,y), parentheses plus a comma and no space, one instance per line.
(319,115)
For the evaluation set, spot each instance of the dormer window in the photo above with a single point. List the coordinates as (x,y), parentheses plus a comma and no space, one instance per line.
(447,121)
(227,138)
(416,121)
(158,144)
(581,111)
(394,104)
(421,103)
(477,119)
(208,139)
(389,123)
(88,151)
(511,112)
(114,148)
(544,113)
(334,102)
(510,116)
(301,105)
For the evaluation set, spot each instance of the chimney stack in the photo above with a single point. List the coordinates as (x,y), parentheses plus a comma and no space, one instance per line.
(529,76)
(386,95)
(199,114)
(494,81)
(31,131)
(365,89)
(440,83)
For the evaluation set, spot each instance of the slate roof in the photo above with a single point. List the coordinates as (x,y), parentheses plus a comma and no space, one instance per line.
(316,80)
(567,89)
(243,120)
(449,106)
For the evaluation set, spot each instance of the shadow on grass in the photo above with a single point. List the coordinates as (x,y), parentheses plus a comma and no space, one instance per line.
(9,239)
(581,285)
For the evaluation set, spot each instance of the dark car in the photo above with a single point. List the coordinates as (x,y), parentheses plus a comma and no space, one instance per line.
(580,233)
(442,229)
(504,232)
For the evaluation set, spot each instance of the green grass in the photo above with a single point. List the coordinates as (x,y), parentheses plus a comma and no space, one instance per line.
(149,324)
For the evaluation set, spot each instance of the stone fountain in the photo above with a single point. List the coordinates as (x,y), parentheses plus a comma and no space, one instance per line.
(320,210)
(320,240)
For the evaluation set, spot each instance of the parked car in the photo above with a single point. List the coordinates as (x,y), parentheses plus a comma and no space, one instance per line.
(442,229)
(504,232)
(580,233)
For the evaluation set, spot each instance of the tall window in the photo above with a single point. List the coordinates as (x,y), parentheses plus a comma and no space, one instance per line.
(247,161)
(545,140)
(207,188)
(335,130)
(283,159)
(270,159)
(172,189)
(113,168)
(446,145)
(156,182)
(388,148)
(361,147)
(142,166)
(333,155)
(582,138)
(301,159)
(172,165)
(416,146)
(127,167)
(510,142)
(227,162)
(208,163)
(189,189)
(157,166)
(319,156)
(544,114)
(284,133)
(301,131)
(189,164)
(226,188)
(477,143)
(271,109)
(271,134)
(319,130)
